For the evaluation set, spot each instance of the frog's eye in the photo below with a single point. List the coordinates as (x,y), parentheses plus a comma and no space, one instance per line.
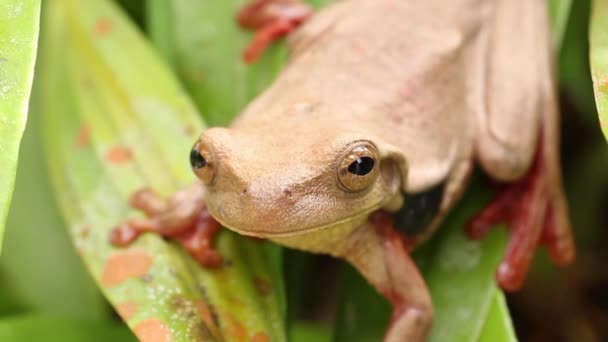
(201,162)
(359,167)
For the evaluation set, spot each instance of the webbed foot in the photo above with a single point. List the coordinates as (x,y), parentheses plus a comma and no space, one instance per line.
(182,217)
(535,211)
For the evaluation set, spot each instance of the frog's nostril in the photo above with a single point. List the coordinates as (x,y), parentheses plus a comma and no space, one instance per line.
(287,192)
(244,192)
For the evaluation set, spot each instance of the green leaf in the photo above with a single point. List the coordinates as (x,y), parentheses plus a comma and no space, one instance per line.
(305,332)
(19,20)
(599,60)
(574,68)
(203,43)
(208,60)
(38,258)
(458,271)
(498,326)
(61,329)
(559,13)
(115,120)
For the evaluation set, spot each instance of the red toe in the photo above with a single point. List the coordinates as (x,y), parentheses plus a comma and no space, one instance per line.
(271,20)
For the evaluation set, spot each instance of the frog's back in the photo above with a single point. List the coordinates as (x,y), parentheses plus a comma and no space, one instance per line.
(392,70)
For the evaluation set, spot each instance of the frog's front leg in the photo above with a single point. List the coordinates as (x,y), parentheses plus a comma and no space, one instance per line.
(182,217)
(271,20)
(377,250)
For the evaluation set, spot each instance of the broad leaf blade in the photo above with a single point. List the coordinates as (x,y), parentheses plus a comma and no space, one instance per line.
(599,60)
(38,257)
(203,44)
(117,120)
(50,328)
(498,326)
(559,11)
(19,20)
(460,276)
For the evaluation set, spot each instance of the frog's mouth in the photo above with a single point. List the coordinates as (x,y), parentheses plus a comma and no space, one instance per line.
(354,219)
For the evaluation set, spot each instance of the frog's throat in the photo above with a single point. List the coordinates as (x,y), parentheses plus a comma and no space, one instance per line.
(266,234)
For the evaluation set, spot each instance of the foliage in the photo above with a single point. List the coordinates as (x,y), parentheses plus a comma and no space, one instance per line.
(599,60)
(18,42)
(113,112)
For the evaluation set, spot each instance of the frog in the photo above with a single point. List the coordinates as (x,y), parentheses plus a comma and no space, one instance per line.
(369,135)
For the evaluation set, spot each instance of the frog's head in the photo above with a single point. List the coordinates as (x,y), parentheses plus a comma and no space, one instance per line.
(268,186)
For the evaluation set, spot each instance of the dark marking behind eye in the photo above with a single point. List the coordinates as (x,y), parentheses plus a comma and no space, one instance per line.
(361,166)
(419,210)
(196,159)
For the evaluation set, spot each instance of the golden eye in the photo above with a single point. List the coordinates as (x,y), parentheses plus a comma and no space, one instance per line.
(359,167)
(202,163)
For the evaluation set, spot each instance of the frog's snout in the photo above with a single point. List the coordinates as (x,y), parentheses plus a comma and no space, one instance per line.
(254,207)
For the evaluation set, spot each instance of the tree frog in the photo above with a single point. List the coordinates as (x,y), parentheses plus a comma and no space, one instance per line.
(369,135)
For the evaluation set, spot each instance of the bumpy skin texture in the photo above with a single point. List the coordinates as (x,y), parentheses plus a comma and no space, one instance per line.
(432,86)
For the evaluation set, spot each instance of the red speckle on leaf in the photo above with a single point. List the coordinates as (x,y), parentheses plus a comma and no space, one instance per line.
(234,301)
(85,231)
(127,309)
(152,330)
(84,136)
(260,337)
(237,329)
(604,87)
(103,26)
(205,313)
(119,155)
(124,265)
(189,130)
(262,285)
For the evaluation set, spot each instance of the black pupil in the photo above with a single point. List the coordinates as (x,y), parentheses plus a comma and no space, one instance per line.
(196,159)
(361,166)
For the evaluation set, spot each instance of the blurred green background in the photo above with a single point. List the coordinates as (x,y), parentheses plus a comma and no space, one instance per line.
(47,294)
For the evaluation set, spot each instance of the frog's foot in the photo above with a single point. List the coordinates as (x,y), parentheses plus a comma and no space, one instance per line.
(183,217)
(535,211)
(271,20)
(400,282)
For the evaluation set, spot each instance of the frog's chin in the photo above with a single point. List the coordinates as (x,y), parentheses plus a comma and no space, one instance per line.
(355,219)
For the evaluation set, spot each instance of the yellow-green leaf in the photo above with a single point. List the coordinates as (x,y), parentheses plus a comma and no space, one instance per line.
(599,59)
(460,276)
(115,120)
(19,20)
(559,13)
(204,44)
(498,327)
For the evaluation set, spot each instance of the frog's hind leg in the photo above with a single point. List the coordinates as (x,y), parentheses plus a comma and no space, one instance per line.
(535,210)
(521,112)
(182,217)
(377,250)
(271,20)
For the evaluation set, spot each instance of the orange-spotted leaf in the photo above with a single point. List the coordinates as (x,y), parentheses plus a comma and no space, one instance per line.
(116,119)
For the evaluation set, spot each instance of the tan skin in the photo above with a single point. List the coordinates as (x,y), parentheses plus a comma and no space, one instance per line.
(366,116)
